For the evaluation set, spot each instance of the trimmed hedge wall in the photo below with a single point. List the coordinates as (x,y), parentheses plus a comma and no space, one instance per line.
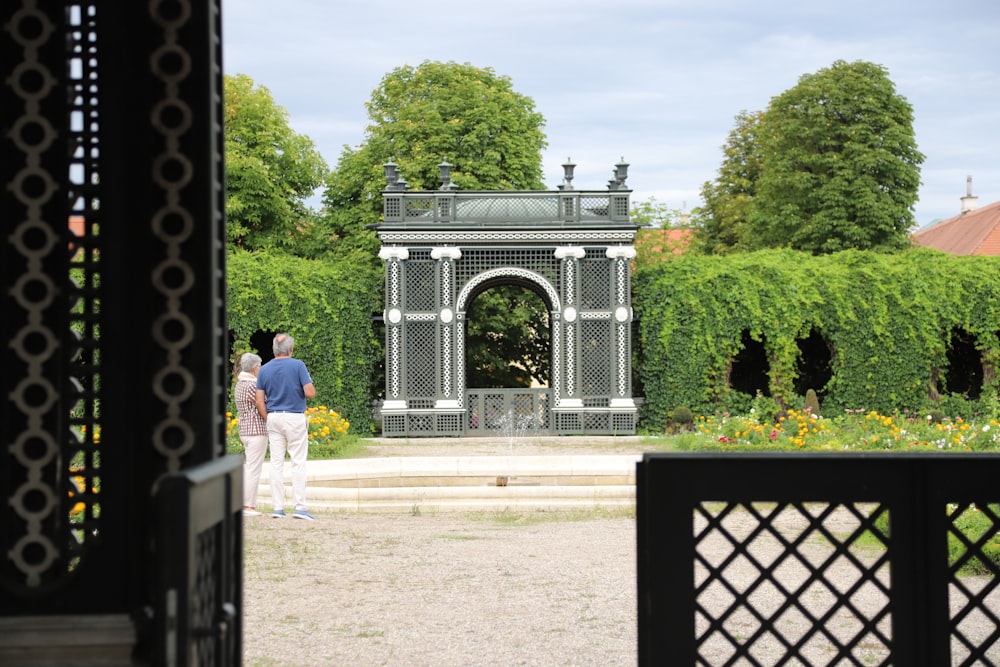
(887,321)
(327,307)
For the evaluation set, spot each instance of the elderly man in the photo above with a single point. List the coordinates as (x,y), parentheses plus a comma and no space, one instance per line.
(283,385)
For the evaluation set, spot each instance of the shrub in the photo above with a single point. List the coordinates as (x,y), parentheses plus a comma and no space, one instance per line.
(328,433)
(682,418)
(812,402)
(326,306)
(935,416)
(765,407)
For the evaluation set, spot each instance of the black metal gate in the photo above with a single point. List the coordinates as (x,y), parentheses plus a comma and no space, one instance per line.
(815,559)
(113,326)
(200,565)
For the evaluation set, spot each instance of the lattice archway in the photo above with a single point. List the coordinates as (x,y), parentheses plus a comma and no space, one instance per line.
(442,248)
(541,294)
(469,289)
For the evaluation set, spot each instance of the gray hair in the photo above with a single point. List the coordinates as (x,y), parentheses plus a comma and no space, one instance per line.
(248,362)
(283,344)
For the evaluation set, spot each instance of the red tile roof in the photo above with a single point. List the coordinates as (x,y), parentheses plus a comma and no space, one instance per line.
(974,232)
(657,240)
(76,224)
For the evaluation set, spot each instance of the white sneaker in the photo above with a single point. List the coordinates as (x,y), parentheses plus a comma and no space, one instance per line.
(249,511)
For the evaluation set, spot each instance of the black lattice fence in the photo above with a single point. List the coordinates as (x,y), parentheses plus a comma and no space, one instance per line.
(774,559)
(200,569)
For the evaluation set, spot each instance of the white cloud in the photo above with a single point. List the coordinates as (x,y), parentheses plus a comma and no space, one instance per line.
(659,83)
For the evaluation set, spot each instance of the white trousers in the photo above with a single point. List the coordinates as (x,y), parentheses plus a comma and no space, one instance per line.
(254,446)
(288,431)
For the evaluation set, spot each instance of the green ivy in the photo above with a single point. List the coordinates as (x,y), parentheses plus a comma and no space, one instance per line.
(886,318)
(327,307)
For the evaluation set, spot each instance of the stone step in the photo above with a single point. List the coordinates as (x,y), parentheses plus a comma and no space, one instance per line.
(467,483)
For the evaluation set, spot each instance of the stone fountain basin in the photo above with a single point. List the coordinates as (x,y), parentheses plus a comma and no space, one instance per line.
(446,483)
(585,470)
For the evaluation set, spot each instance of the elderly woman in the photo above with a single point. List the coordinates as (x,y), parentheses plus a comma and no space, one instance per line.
(252,429)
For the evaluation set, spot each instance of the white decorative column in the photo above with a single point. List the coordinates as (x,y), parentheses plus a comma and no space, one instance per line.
(564,390)
(394,257)
(622,322)
(449,380)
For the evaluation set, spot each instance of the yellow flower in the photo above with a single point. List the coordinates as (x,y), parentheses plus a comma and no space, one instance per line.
(81,487)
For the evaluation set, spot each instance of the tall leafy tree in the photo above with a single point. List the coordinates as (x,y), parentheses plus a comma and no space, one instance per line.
(657,215)
(831,164)
(839,164)
(493,137)
(722,220)
(421,116)
(270,172)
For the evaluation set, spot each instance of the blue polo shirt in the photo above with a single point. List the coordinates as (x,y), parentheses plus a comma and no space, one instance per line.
(281,380)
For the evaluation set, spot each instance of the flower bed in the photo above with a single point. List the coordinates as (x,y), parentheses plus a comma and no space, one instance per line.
(854,430)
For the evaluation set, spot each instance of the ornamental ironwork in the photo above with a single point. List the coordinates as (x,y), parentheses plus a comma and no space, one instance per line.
(115,361)
(443,248)
(850,558)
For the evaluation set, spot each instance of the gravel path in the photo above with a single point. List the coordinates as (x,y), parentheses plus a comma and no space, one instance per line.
(455,589)
(449,589)
(401,589)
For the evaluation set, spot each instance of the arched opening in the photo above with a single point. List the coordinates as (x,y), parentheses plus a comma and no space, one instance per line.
(813,366)
(750,367)
(508,355)
(965,366)
(508,340)
(261,343)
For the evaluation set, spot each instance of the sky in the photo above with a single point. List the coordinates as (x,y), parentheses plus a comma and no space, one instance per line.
(656,82)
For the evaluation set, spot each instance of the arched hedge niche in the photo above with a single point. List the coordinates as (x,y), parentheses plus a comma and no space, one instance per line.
(262,343)
(813,365)
(750,368)
(965,366)
(911,331)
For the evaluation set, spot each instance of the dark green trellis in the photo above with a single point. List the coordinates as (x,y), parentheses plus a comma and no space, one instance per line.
(443,248)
